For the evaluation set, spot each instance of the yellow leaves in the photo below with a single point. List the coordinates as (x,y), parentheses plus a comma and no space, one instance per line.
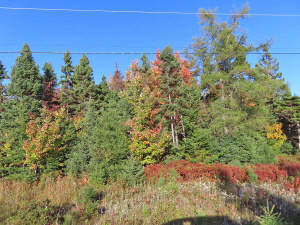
(275,133)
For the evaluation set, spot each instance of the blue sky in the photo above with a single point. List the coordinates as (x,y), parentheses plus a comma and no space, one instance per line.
(45,31)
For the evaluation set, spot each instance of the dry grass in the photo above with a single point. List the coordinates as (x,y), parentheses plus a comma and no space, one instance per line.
(148,204)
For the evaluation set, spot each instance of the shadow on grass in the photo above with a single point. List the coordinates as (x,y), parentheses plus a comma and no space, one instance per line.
(205,220)
(255,198)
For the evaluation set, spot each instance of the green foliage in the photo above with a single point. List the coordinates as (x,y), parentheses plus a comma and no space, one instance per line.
(3,76)
(87,194)
(89,198)
(66,80)
(102,143)
(230,114)
(39,213)
(100,173)
(49,75)
(25,78)
(170,184)
(25,93)
(270,217)
(83,86)
(244,149)
(131,172)
(287,148)
(252,176)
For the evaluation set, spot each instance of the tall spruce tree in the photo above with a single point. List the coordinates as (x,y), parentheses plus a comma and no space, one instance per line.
(25,95)
(83,86)
(26,79)
(66,80)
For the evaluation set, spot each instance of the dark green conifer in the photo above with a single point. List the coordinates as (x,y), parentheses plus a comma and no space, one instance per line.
(83,86)
(66,80)
(25,94)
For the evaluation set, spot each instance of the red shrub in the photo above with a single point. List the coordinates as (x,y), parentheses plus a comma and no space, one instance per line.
(292,168)
(188,171)
(231,173)
(269,172)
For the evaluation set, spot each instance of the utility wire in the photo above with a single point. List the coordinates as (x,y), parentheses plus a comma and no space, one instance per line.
(145,12)
(139,53)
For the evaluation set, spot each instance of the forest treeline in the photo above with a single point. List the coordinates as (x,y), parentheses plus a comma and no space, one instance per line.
(212,106)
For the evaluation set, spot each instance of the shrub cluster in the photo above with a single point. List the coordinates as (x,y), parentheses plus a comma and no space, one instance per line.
(284,173)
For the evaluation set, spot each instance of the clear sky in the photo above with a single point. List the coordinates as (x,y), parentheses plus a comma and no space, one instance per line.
(45,31)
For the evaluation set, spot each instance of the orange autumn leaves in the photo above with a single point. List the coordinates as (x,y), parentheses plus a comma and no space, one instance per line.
(149,137)
(44,137)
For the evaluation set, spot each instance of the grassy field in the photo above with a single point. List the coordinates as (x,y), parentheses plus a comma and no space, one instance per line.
(66,200)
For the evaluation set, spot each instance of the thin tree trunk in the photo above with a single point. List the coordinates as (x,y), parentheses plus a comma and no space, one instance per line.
(176,138)
(183,130)
(172,129)
(172,123)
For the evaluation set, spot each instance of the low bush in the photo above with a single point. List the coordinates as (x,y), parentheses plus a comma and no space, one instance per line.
(88,197)
(188,171)
(39,213)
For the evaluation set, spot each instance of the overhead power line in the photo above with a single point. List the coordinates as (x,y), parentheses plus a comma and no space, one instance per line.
(137,53)
(145,12)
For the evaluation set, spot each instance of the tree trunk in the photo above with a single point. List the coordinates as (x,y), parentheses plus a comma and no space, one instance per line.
(172,123)
(176,138)
(183,129)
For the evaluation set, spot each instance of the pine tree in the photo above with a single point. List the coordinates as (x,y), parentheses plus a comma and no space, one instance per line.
(83,86)
(269,66)
(66,80)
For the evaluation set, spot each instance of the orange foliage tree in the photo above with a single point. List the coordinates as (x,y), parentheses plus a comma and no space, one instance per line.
(48,138)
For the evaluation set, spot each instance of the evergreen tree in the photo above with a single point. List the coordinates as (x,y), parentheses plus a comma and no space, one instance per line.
(236,95)
(50,98)
(66,80)
(3,76)
(26,79)
(25,94)
(287,111)
(268,65)
(103,141)
(171,82)
(145,68)
(102,94)
(83,86)
(116,81)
